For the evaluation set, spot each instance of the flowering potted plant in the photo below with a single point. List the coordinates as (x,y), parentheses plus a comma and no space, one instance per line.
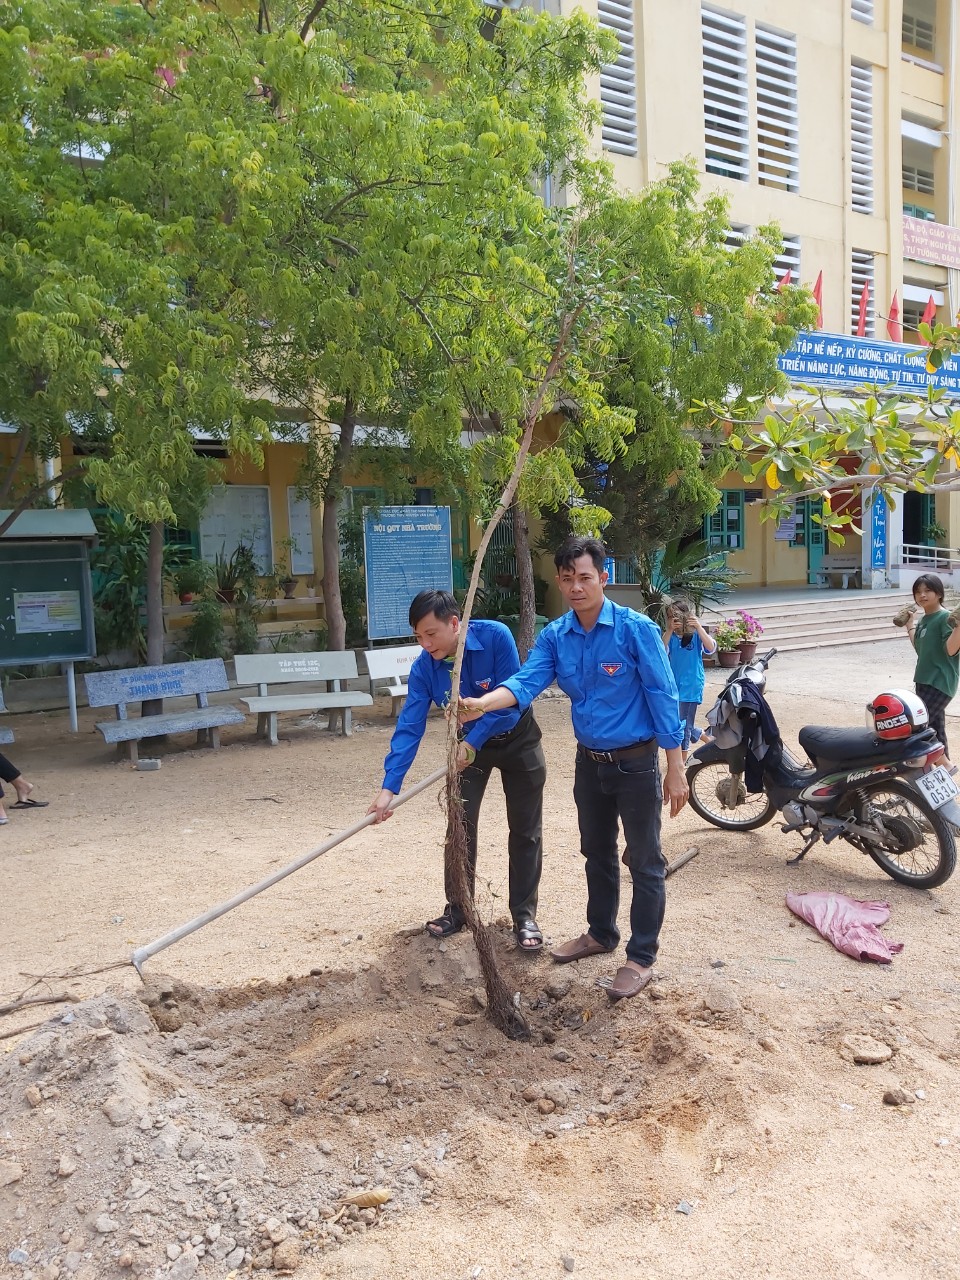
(752,631)
(729,636)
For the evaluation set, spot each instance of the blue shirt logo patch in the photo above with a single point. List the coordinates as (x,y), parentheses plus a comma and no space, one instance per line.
(611,668)
(483,684)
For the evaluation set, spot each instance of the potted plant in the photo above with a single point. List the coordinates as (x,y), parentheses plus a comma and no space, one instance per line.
(934,534)
(752,631)
(282,568)
(226,576)
(191,579)
(729,636)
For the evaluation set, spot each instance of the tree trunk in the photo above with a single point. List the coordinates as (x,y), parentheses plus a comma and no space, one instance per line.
(330,531)
(528,601)
(154,706)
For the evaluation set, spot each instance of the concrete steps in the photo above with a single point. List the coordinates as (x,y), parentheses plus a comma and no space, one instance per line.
(815,622)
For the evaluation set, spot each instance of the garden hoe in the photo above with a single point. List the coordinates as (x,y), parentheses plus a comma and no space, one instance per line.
(142,954)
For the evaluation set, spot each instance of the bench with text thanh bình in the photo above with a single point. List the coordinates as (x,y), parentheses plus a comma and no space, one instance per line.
(329,669)
(172,680)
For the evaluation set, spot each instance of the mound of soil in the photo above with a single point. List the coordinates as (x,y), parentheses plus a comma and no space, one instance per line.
(188,1128)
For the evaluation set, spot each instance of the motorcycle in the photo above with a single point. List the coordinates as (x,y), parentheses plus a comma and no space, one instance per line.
(887,796)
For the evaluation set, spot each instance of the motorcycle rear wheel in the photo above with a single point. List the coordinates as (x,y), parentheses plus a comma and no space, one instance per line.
(933,861)
(710,795)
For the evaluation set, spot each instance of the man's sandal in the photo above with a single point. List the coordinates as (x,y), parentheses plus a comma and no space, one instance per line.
(529,937)
(449,923)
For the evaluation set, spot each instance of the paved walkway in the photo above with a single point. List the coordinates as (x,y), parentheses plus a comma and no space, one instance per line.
(854,673)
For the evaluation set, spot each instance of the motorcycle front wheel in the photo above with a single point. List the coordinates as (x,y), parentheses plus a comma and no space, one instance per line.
(721,798)
(921,851)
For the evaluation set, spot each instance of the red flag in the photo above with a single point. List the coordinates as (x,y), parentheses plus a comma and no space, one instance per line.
(785,279)
(862,313)
(818,298)
(929,316)
(894,327)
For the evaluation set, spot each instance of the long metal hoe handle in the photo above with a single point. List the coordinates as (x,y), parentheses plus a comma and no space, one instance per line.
(144,953)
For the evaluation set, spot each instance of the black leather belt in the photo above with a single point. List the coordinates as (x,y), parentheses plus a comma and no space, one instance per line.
(621,753)
(500,738)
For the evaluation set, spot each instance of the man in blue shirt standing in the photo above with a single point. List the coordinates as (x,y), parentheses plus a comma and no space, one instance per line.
(507,740)
(623,700)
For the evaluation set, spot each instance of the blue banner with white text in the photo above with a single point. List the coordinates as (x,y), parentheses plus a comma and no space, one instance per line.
(833,359)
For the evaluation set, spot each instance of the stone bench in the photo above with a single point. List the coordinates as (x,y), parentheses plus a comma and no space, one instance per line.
(392,665)
(839,567)
(172,680)
(265,669)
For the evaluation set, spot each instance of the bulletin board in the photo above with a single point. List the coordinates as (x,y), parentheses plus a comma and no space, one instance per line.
(46,603)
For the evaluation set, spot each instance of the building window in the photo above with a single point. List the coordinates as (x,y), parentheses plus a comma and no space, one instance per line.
(788,260)
(736,235)
(861,136)
(618,80)
(918,211)
(725,107)
(862,11)
(915,179)
(724,530)
(862,274)
(918,28)
(777,134)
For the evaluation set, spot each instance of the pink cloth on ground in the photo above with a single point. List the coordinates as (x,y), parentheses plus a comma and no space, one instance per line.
(849,924)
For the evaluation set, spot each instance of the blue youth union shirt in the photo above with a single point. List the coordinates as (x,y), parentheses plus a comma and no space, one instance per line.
(686,663)
(617,676)
(489,657)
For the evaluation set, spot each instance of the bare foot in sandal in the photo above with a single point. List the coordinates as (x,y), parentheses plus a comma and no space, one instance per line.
(450,922)
(529,937)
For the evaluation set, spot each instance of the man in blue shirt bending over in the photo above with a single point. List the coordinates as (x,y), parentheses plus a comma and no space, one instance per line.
(623,701)
(507,740)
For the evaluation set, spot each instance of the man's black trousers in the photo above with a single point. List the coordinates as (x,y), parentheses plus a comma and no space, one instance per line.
(518,756)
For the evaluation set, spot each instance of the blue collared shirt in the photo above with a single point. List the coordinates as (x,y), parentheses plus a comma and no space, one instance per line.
(617,676)
(490,656)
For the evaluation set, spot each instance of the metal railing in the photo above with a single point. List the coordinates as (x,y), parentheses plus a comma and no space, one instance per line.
(918,553)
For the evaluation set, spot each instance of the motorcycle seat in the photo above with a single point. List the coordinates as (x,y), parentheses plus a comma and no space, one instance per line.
(848,746)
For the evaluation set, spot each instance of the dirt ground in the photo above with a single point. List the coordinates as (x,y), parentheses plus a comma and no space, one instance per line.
(314,1043)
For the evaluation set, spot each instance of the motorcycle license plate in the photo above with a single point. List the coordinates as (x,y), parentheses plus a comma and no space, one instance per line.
(938,787)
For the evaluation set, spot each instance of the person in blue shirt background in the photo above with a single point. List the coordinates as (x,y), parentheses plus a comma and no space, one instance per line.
(507,740)
(623,701)
(686,641)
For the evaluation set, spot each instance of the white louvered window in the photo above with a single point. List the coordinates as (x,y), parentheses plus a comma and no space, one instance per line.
(862,11)
(736,235)
(918,29)
(777,130)
(918,179)
(912,313)
(862,273)
(788,260)
(861,136)
(618,80)
(726,119)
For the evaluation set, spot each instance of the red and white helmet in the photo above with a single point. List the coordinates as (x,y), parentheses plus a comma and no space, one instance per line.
(896,714)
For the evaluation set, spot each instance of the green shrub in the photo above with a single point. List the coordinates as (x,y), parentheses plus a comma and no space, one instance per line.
(205,638)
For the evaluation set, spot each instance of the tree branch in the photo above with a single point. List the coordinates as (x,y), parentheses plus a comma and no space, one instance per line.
(14,465)
(27,500)
(311,18)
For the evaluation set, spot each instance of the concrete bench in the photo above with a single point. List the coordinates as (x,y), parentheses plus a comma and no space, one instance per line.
(840,568)
(264,669)
(392,665)
(172,680)
(6,735)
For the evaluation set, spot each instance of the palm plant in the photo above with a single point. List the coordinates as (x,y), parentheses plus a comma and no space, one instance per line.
(694,572)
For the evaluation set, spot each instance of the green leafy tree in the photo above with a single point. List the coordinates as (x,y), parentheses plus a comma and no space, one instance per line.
(711,325)
(133,278)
